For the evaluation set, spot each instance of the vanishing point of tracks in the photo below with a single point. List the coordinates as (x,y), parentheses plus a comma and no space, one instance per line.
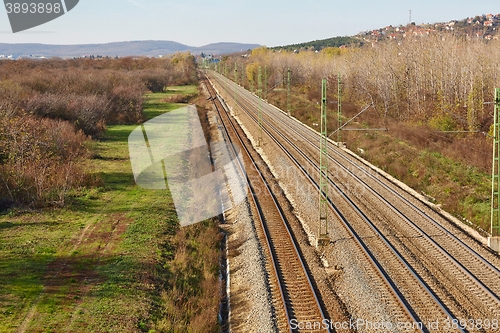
(294,295)
(475,279)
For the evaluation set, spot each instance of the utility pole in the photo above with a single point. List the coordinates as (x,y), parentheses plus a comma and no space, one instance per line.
(235,81)
(259,93)
(323,235)
(205,64)
(242,75)
(339,111)
(494,240)
(288,94)
(265,83)
(252,83)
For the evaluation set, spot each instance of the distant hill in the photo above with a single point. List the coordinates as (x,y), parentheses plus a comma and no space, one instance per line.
(321,44)
(134,48)
(484,27)
(480,27)
(224,48)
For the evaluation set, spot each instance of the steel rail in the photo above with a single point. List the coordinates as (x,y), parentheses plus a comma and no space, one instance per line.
(265,228)
(378,267)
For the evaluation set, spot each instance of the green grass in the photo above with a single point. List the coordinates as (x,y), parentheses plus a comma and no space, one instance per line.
(159,103)
(38,246)
(460,189)
(185,90)
(155,105)
(94,265)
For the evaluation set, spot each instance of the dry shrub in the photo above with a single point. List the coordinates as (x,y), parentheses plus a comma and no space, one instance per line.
(10,95)
(190,296)
(125,105)
(88,100)
(470,149)
(89,93)
(86,112)
(155,80)
(177,98)
(49,107)
(39,161)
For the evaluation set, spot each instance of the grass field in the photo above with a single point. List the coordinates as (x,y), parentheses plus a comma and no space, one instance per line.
(111,260)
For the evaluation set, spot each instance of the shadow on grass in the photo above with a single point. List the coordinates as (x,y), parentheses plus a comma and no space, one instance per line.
(124,197)
(118,181)
(8,224)
(153,110)
(108,158)
(118,133)
(150,114)
(95,282)
(20,283)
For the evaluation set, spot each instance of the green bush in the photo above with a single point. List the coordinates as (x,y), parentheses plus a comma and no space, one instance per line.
(443,123)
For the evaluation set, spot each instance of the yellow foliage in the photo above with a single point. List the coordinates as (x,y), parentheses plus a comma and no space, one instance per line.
(260,51)
(251,71)
(331,51)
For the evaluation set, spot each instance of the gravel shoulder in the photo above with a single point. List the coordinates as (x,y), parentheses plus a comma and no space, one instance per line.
(249,295)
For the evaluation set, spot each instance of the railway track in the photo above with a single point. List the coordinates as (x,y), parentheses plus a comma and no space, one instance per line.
(294,295)
(484,286)
(452,248)
(479,277)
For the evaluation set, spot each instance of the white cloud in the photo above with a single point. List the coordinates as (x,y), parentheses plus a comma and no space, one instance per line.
(138,4)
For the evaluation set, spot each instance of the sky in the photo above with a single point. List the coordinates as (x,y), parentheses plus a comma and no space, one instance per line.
(265,22)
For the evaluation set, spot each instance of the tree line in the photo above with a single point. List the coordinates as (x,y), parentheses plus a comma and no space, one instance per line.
(432,94)
(443,81)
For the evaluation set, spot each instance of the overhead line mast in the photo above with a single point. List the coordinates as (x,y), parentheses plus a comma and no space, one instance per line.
(323,235)
(339,111)
(259,93)
(237,82)
(494,240)
(288,93)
